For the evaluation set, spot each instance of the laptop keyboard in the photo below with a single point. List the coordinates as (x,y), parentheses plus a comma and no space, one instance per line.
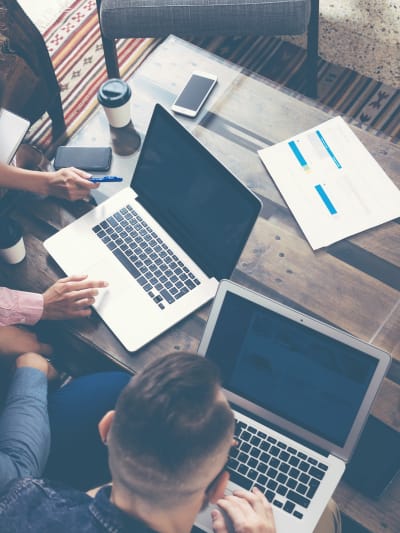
(161,274)
(288,478)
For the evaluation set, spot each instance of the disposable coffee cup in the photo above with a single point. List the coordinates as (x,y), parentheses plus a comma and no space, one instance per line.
(12,247)
(115,95)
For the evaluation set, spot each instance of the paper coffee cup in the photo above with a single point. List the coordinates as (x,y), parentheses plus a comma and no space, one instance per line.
(115,97)
(12,247)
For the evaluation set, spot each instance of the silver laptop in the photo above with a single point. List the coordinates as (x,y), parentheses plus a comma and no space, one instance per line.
(164,242)
(12,131)
(301,391)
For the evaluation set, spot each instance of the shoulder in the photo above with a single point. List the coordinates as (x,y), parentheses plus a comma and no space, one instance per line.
(17,489)
(46,504)
(35,490)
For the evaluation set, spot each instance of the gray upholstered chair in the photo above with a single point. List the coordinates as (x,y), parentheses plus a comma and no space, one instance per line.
(159,18)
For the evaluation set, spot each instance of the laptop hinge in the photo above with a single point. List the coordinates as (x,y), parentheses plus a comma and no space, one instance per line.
(287,434)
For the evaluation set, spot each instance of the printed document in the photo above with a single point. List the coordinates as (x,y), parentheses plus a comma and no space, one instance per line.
(12,131)
(331,183)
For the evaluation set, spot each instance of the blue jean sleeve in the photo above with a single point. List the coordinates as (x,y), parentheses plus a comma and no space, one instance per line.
(24,427)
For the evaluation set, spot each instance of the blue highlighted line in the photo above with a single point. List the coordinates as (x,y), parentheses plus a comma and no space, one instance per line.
(325,198)
(299,156)
(328,149)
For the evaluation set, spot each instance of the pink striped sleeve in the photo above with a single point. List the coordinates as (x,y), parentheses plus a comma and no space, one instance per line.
(18,307)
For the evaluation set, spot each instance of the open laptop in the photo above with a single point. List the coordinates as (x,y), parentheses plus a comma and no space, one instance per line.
(301,391)
(12,131)
(164,242)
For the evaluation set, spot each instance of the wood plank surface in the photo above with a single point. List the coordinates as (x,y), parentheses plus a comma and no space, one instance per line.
(377,516)
(326,287)
(383,241)
(387,405)
(388,335)
(354,284)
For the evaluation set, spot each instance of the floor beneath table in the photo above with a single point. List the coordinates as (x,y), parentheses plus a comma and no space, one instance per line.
(362,35)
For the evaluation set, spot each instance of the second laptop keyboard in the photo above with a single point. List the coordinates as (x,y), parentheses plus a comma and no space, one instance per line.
(288,477)
(161,274)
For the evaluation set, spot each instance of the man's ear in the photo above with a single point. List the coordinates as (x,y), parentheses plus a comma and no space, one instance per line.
(217,491)
(105,424)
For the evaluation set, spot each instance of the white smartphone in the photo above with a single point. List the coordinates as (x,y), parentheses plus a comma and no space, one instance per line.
(194,94)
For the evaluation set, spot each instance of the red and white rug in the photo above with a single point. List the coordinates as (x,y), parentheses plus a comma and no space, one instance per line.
(74,44)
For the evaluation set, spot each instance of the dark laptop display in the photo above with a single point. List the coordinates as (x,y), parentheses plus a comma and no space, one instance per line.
(308,378)
(300,390)
(193,196)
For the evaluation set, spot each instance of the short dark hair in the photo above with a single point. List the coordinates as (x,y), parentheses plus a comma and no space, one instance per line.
(169,420)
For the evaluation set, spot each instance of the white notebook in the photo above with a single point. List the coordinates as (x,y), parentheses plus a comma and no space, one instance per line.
(12,131)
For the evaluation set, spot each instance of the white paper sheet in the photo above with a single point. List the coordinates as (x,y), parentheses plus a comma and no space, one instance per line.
(331,183)
(12,131)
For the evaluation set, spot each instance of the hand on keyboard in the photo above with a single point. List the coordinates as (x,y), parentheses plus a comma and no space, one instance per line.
(248,512)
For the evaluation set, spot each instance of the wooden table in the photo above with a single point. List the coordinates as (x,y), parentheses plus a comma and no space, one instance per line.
(354,284)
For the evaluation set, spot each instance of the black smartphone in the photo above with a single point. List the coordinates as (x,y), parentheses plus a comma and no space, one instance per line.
(91,158)
(376,459)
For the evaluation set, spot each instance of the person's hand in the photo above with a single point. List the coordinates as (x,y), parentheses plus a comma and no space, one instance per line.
(249,512)
(15,341)
(70,297)
(70,184)
(34,360)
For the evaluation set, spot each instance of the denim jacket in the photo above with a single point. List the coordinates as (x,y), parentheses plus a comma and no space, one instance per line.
(47,507)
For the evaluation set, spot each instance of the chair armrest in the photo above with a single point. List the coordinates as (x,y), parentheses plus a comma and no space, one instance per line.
(157,18)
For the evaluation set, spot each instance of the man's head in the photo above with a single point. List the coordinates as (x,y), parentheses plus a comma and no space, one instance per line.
(171,432)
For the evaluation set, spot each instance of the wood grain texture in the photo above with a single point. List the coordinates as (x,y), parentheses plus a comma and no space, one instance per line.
(387,404)
(353,284)
(331,289)
(379,516)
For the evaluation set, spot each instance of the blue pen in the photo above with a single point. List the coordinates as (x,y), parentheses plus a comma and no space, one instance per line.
(105,179)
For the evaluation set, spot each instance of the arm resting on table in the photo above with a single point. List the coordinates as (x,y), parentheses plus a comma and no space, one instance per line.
(19,307)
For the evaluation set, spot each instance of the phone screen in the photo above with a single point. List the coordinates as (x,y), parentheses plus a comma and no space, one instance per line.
(194,92)
(95,158)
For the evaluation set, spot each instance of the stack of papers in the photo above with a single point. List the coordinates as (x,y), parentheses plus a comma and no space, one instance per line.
(331,183)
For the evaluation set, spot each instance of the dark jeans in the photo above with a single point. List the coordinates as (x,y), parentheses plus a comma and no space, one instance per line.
(77,455)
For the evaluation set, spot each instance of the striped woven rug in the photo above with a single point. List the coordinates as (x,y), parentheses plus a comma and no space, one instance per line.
(75,47)
(74,44)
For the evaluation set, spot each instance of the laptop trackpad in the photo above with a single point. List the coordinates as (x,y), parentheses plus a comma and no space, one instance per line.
(118,279)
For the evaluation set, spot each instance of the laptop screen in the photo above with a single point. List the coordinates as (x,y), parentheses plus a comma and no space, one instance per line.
(295,372)
(193,196)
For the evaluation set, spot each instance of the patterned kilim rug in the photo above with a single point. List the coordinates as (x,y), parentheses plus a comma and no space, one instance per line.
(74,44)
(75,47)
